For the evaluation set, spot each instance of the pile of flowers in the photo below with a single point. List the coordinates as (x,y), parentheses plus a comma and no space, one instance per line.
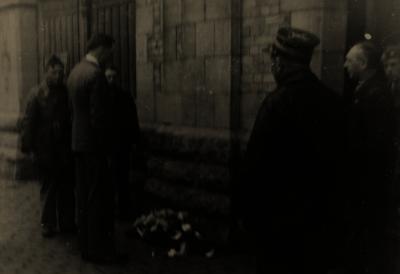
(174,232)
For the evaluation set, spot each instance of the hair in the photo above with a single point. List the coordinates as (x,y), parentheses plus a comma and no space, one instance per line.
(100,40)
(372,53)
(53,61)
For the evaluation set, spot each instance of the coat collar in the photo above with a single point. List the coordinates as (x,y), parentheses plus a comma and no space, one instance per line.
(295,75)
(366,88)
(92,59)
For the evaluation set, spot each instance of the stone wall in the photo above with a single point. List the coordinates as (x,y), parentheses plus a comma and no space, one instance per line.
(184,61)
(261,20)
(184,57)
(18,72)
(201,76)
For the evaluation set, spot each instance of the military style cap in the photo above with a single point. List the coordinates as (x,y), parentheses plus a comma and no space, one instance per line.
(293,43)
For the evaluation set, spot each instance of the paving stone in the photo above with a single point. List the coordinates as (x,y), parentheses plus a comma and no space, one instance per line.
(28,253)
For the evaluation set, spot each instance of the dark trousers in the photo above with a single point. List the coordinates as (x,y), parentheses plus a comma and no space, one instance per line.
(95,202)
(372,248)
(120,168)
(57,199)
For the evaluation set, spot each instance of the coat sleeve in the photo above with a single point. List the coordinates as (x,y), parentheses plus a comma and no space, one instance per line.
(29,123)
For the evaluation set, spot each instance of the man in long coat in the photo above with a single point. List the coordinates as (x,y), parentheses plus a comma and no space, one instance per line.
(371,156)
(91,144)
(46,132)
(292,165)
(126,138)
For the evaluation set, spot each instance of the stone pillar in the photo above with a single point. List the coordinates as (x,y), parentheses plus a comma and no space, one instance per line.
(18,72)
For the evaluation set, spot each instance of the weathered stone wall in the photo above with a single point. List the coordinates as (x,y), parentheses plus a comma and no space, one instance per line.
(201,76)
(184,60)
(18,73)
(260,22)
(18,55)
(184,57)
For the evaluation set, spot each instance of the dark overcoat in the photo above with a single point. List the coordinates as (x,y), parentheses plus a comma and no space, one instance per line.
(371,142)
(125,123)
(46,126)
(91,131)
(293,164)
(89,98)
(372,209)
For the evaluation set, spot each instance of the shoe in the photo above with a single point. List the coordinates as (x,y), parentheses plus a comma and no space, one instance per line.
(47,231)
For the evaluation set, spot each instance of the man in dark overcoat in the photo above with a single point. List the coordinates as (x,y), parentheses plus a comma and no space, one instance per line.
(126,141)
(91,129)
(46,132)
(293,163)
(371,156)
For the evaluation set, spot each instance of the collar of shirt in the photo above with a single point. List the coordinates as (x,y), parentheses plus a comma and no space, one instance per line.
(89,57)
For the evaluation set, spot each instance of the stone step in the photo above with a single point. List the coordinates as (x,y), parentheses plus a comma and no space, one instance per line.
(189,198)
(8,139)
(193,144)
(8,160)
(204,176)
(14,165)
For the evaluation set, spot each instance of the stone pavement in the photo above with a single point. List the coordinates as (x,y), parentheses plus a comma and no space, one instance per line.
(24,251)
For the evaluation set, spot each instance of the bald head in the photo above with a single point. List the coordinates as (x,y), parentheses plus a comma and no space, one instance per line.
(362,58)
(355,62)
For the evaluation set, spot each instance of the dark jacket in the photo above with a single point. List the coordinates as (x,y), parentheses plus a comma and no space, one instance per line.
(89,99)
(293,157)
(46,126)
(125,125)
(371,135)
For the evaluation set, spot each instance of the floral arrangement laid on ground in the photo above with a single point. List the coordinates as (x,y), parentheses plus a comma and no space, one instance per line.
(175,232)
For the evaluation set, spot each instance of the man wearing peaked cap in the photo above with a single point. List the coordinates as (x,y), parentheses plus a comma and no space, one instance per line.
(295,44)
(294,152)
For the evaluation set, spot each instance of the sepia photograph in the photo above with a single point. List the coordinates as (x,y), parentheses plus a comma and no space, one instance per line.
(199,136)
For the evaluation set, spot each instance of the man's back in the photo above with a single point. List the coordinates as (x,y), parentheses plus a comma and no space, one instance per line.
(88,96)
(295,135)
(293,170)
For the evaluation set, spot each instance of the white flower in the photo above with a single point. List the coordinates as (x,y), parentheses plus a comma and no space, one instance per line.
(177,235)
(210,253)
(140,232)
(186,227)
(182,249)
(197,234)
(180,215)
(172,253)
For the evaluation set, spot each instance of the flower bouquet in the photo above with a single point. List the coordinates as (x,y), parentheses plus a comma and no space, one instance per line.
(173,231)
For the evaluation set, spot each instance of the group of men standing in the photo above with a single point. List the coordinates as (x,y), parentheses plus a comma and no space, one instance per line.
(81,135)
(320,168)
